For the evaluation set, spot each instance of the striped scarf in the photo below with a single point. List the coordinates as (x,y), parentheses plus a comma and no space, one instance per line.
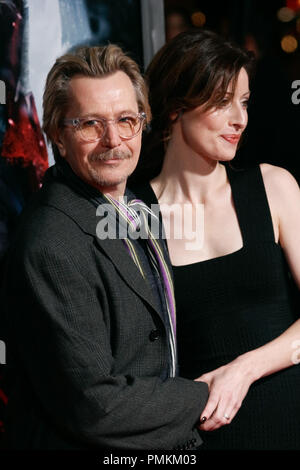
(135,215)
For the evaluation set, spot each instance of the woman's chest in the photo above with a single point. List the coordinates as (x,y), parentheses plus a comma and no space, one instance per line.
(201,232)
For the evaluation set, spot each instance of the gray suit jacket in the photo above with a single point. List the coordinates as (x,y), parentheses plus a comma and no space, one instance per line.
(86,344)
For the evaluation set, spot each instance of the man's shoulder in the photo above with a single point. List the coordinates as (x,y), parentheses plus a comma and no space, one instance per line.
(53,215)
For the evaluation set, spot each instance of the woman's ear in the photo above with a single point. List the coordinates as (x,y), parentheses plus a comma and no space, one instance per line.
(174,116)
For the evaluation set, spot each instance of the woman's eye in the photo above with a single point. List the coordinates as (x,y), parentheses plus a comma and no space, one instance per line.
(245,104)
(224,102)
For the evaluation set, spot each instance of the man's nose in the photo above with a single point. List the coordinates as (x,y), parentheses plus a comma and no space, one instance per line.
(111,137)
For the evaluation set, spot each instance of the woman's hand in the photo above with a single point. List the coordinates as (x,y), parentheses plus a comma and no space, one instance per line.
(228,386)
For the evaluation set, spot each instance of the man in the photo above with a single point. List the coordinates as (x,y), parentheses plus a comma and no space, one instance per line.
(88,319)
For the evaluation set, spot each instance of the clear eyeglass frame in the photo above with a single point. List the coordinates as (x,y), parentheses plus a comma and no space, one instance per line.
(77,124)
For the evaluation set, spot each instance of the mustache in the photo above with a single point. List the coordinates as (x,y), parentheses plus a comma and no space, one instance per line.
(109,154)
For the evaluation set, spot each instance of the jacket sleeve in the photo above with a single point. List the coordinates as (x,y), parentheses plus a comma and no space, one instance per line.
(69,361)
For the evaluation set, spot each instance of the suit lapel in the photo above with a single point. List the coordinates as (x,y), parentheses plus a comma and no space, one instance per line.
(126,267)
(58,194)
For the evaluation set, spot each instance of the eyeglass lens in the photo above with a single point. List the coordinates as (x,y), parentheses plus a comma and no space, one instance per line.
(127,127)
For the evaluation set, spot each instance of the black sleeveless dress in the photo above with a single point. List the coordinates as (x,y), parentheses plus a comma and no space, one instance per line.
(235,303)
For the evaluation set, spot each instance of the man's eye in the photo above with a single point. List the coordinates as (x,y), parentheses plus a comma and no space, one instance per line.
(126,119)
(90,123)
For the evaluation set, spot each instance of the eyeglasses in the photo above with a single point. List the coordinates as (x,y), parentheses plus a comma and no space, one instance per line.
(93,129)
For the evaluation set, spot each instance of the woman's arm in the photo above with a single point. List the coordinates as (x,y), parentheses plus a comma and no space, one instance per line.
(229,384)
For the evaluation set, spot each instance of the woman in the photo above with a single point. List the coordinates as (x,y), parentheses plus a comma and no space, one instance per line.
(237,324)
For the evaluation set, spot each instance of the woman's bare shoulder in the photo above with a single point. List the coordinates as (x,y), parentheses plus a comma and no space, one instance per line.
(278,180)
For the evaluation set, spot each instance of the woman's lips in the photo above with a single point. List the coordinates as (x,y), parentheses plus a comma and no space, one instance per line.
(232,138)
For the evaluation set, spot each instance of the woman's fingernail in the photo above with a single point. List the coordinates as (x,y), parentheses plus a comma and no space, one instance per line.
(203,419)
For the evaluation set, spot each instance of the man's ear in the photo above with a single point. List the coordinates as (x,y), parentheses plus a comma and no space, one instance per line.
(60,143)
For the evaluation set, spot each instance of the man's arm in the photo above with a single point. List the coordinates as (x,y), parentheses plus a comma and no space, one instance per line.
(67,355)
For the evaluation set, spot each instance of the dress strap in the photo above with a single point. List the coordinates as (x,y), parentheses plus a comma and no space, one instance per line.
(251,204)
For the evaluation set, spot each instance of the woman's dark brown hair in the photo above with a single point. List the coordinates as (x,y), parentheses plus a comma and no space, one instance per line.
(195,68)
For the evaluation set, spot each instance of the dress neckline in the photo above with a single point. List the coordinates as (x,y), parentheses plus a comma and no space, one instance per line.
(216,258)
(251,208)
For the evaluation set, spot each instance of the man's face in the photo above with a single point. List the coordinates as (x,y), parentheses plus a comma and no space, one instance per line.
(105,164)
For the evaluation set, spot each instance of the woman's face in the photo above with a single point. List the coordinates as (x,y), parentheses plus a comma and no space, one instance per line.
(214,134)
